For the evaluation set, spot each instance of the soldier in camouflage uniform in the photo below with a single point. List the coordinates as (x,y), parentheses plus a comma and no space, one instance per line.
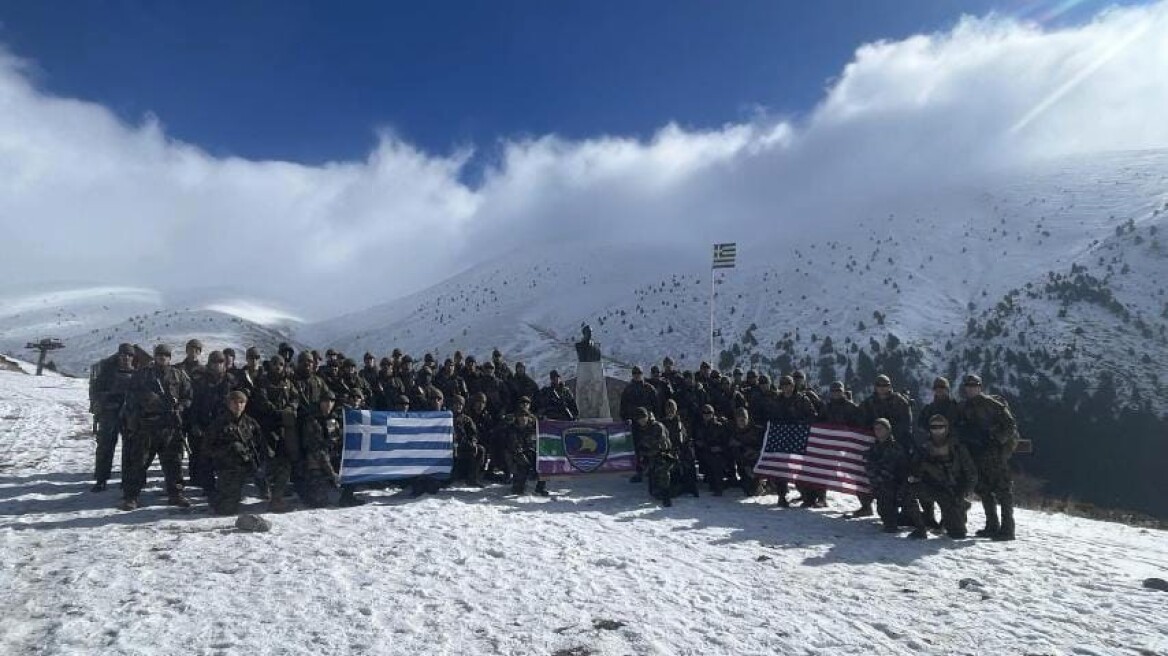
(887,467)
(157,398)
(685,474)
(942,473)
(988,428)
(320,437)
(786,406)
(556,401)
(840,409)
(520,385)
(520,435)
(448,380)
(746,444)
(660,458)
(232,442)
(276,402)
(713,448)
(942,404)
(470,458)
(108,394)
(211,386)
(637,394)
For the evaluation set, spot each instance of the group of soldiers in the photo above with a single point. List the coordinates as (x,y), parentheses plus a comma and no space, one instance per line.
(276,422)
(692,427)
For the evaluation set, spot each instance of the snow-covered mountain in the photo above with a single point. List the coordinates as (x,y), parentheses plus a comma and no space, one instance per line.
(92,321)
(594,570)
(1061,265)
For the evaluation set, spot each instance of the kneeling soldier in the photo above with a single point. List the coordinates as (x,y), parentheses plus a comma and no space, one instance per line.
(232,440)
(658,452)
(943,473)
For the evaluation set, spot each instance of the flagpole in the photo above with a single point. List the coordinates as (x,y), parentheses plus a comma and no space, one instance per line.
(712,270)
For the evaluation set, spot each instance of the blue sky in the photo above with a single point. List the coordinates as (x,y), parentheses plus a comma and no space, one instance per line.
(482,129)
(313,81)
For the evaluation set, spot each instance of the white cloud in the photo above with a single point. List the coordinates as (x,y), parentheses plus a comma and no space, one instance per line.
(85,196)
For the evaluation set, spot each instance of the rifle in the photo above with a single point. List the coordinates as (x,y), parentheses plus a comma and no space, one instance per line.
(172,410)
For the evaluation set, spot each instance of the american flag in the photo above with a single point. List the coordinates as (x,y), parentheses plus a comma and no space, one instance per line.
(823,454)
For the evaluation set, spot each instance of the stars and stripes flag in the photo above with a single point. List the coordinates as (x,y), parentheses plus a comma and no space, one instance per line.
(725,255)
(829,455)
(385,446)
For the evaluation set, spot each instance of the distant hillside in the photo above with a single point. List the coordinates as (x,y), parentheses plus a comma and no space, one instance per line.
(1049,282)
(93,321)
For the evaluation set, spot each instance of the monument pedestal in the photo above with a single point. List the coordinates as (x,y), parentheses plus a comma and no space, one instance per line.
(591,391)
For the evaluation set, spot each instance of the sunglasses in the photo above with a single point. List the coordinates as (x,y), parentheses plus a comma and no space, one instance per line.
(708,414)
(938,428)
(883,385)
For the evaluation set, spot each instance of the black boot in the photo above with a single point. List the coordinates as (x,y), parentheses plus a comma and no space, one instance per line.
(541,488)
(666,500)
(348,498)
(98,487)
(992,526)
(1007,531)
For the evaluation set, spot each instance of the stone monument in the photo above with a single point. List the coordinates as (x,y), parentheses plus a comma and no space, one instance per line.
(591,390)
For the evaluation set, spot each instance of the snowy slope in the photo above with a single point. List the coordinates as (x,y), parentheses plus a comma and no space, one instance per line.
(475,572)
(919,267)
(92,321)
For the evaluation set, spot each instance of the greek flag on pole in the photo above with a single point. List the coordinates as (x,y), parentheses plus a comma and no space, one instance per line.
(385,446)
(725,255)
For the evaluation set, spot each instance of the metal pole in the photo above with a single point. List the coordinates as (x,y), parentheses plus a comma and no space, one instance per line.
(712,271)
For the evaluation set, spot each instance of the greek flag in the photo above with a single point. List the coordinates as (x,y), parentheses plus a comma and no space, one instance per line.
(385,446)
(725,255)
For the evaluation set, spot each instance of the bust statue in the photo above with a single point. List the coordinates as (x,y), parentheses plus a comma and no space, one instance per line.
(586,349)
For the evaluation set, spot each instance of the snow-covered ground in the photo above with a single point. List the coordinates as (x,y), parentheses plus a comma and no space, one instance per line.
(595,569)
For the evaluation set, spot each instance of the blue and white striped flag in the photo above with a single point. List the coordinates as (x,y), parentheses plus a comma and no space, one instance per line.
(385,446)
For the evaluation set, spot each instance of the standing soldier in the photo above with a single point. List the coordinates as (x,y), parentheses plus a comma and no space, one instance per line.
(841,410)
(989,430)
(520,430)
(713,448)
(276,410)
(637,394)
(746,444)
(231,441)
(662,386)
(210,389)
(660,457)
(491,438)
(158,397)
(191,364)
(448,380)
(685,474)
(556,401)
(469,456)
(788,407)
(520,385)
(108,393)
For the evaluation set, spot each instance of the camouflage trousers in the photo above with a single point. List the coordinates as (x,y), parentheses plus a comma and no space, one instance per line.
(231,473)
(522,463)
(469,463)
(890,499)
(953,507)
(108,427)
(152,439)
(714,464)
(659,476)
(994,480)
(278,469)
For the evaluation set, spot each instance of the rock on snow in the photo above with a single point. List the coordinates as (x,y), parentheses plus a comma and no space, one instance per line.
(595,569)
